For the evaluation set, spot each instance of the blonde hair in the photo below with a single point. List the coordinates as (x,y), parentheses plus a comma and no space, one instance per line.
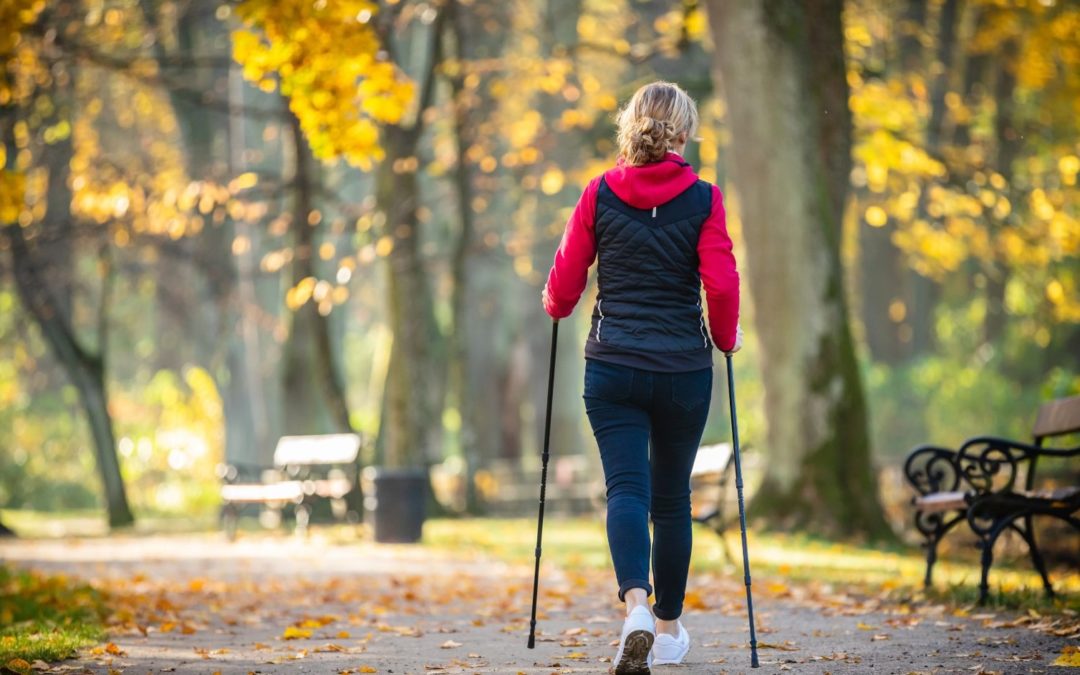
(652,121)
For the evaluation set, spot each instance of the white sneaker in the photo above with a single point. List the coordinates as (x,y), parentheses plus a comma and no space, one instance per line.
(635,647)
(670,650)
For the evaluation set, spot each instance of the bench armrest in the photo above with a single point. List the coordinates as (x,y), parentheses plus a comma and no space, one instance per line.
(930,469)
(992,464)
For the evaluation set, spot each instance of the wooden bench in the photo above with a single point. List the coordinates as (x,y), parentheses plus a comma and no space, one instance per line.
(709,480)
(990,483)
(306,469)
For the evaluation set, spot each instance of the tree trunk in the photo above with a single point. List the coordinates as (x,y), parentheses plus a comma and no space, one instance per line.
(458,339)
(86,370)
(926,293)
(1008,148)
(314,391)
(782,65)
(569,437)
(223,344)
(55,244)
(414,424)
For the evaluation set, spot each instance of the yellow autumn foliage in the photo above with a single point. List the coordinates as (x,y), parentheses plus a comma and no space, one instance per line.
(327,60)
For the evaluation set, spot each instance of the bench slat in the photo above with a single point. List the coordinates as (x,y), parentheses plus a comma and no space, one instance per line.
(1058,417)
(941,501)
(711,459)
(334,488)
(324,449)
(255,493)
(1061,494)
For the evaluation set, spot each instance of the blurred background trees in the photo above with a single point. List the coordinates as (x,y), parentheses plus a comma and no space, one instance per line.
(225,222)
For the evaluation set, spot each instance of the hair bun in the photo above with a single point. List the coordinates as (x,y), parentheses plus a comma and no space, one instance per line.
(651,138)
(651,122)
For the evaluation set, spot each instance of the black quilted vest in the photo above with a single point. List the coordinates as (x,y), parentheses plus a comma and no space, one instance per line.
(648,309)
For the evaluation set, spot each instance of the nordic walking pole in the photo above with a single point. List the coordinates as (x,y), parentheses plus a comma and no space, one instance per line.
(543,480)
(742,511)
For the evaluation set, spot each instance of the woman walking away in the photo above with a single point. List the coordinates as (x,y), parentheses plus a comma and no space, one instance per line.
(659,233)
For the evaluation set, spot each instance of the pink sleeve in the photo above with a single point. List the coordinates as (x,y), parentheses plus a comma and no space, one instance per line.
(718,275)
(576,253)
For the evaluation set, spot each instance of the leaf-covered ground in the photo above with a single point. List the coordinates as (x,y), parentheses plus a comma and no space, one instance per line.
(460,604)
(45,618)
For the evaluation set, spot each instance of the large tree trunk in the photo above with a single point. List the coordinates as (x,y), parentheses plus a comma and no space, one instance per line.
(885,277)
(926,293)
(56,247)
(562,148)
(417,373)
(314,392)
(414,380)
(782,66)
(86,370)
(463,102)
(1008,141)
(224,345)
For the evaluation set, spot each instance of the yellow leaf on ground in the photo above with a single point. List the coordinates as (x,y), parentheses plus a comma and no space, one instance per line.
(785,646)
(694,600)
(777,588)
(343,634)
(18,665)
(1070,657)
(294,633)
(865,626)
(367,669)
(111,648)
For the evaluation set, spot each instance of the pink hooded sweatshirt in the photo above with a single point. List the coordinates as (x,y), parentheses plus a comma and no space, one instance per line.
(644,187)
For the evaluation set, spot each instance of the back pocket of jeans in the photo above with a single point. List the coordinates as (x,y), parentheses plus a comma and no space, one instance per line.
(608,381)
(691,390)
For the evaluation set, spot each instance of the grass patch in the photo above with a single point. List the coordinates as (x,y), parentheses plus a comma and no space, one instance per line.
(45,617)
(894,572)
(94,523)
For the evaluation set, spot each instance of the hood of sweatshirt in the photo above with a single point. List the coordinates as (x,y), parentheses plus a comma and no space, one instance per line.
(653,184)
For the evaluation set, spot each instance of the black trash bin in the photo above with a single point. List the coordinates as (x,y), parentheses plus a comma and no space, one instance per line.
(397,504)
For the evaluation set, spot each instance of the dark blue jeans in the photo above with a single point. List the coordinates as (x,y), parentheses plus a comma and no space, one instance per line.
(648,426)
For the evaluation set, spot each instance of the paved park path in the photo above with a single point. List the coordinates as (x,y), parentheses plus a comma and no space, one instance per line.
(197,604)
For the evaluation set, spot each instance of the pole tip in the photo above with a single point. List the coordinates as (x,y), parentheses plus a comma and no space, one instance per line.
(532,642)
(753,660)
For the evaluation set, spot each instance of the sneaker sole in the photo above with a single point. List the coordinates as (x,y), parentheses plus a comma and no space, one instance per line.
(635,656)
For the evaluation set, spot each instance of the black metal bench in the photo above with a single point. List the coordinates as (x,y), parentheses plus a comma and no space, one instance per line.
(306,469)
(980,483)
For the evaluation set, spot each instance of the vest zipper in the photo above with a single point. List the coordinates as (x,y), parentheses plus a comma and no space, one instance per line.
(599,323)
(654,212)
